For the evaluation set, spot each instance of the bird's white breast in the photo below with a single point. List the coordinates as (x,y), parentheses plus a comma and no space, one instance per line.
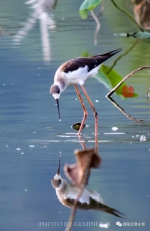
(73,193)
(96,196)
(80,75)
(77,76)
(94,71)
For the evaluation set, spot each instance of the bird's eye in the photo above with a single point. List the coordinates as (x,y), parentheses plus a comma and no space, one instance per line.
(59,181)
(58,91)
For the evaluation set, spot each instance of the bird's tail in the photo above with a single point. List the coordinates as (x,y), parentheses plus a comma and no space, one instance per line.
(112,211)
(106,56)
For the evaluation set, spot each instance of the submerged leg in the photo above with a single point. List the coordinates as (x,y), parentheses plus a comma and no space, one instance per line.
(84,109)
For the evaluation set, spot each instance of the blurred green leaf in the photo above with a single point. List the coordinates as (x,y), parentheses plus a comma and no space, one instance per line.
(85,54)
(86,6)
(110,78)
(84,13)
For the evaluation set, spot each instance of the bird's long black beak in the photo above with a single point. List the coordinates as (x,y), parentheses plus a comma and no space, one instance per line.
(57,103)
(58,171)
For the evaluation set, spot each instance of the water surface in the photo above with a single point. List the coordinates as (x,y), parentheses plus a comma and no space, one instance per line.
(31,136)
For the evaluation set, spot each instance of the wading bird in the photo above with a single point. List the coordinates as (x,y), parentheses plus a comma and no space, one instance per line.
(67,193)
(76,71)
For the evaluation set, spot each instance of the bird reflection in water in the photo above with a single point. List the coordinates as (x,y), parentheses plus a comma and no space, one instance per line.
(78,173)
(41,11)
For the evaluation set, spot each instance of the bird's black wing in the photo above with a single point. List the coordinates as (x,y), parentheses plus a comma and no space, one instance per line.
(90,62)
(94,205)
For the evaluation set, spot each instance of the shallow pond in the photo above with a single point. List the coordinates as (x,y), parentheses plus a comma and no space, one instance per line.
(31,136)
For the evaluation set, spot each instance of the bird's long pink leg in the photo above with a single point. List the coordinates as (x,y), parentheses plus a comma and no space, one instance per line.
(84,109)
(95,115)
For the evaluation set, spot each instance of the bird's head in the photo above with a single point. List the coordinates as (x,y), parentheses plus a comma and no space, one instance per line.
(57,181)
(55,92)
